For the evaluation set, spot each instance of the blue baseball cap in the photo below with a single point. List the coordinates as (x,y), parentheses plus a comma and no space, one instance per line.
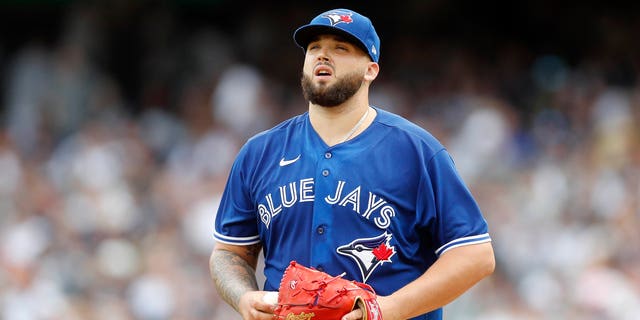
(344,22)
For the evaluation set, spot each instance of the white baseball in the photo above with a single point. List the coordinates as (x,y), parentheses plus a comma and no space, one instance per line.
(270,297)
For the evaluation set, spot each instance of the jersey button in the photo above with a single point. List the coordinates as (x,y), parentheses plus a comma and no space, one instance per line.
(320,230)
(325,172)
(320,268)
(328,155)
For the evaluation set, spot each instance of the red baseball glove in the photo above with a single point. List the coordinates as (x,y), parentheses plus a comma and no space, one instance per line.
(307,293)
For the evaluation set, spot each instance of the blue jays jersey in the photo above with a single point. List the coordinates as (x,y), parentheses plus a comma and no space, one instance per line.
(381,207)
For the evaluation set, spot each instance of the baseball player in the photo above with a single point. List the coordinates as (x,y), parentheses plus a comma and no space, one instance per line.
(348,187)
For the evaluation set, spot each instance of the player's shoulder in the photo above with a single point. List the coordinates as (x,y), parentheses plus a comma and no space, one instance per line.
(407,129)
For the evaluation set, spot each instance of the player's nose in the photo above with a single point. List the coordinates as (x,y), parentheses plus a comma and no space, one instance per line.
(322,56)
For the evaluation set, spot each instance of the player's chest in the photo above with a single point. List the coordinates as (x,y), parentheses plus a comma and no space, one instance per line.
(323,174)
(330,183)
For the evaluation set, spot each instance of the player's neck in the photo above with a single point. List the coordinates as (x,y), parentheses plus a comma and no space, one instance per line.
(341,123)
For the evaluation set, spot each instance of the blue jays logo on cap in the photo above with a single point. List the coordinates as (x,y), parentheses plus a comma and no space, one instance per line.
(347,23)
(337,17)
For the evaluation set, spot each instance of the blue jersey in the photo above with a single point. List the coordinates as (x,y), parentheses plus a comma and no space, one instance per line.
(381,207)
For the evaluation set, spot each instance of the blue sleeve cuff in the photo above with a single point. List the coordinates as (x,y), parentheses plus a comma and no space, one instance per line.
(481,238)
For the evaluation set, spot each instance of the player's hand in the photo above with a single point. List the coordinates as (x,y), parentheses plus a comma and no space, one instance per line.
(384,302)
(253,307)
(356,314)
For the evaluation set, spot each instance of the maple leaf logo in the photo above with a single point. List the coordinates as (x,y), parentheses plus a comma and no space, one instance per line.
(383,252)
(346,18)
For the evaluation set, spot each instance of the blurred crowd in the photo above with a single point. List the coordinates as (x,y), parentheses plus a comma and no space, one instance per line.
(107,213)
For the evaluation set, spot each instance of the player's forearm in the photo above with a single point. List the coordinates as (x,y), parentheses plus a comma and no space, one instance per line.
(232,275)
(454,272)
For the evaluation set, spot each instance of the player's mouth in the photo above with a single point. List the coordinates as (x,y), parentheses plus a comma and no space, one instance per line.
(323,71)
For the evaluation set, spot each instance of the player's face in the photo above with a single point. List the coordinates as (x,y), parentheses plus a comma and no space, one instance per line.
(333,71)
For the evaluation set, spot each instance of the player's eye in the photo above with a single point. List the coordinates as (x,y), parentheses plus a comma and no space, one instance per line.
(342,47)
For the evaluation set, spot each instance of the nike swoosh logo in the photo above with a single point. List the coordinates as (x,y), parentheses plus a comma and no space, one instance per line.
(284,162)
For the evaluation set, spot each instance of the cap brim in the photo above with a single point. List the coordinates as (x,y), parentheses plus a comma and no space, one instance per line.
(305,34)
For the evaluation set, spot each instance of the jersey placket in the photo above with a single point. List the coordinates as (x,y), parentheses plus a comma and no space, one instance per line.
(322,247)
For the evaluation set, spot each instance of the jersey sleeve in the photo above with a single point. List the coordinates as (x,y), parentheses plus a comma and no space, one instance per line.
(235,221)
(459,220)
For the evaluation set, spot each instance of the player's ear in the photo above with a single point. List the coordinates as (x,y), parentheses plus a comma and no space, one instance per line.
(372,71)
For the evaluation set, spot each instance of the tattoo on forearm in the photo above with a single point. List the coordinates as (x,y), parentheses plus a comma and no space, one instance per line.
(253,251)
(232,275)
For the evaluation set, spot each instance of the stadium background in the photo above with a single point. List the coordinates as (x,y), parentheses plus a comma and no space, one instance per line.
(120,119)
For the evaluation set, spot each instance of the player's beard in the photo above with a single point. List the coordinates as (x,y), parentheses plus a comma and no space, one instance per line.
(331,95)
